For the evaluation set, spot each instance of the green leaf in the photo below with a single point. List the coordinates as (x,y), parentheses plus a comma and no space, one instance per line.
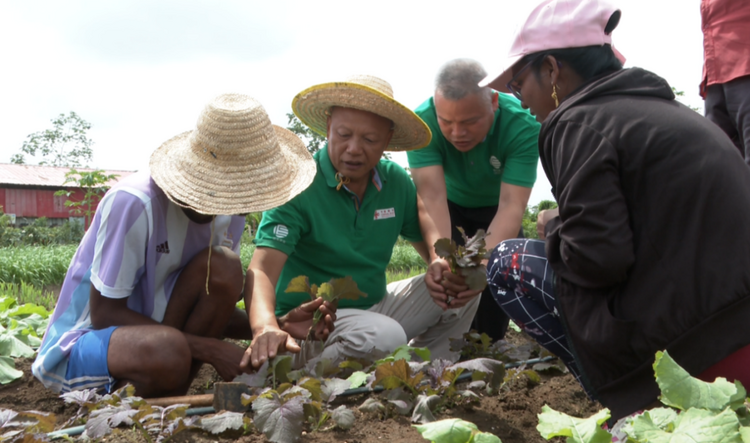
(10,346)
(745,434)
(357,379)
(28,309)
(346,288)
(395,374)
(694,425)
(300,284)
(486,437)
(280,367)
(681,391)
(578,430)
(452,430)
(313,385)
(8,371)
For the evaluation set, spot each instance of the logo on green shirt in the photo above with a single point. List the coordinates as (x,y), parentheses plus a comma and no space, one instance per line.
(280,231)
(497,165)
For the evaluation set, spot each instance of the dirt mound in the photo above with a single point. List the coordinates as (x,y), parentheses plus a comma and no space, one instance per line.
(511,415)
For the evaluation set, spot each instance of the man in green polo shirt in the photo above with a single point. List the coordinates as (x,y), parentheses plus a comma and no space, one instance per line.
(476,173)
(345,224)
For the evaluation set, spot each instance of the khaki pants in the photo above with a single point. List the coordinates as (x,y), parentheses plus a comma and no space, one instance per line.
(406,314)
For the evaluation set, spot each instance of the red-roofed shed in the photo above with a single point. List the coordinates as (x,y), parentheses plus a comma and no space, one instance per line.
(28,191)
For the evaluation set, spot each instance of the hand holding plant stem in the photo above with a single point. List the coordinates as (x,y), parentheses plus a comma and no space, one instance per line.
(332,291)
(466,260)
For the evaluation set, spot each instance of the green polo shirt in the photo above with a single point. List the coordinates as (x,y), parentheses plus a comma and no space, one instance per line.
(331,234)
(508,154)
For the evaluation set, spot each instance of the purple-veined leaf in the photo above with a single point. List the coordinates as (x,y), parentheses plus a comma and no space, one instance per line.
(343,417)
(102,421)
(445,248)
(256,379)
(279,422)
(81,398)
(222,421)
(487,366)
(6,417)
(436,370)
(180,424)
(401,399)
(423,409)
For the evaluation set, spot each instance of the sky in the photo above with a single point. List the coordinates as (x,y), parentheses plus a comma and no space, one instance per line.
(141,71)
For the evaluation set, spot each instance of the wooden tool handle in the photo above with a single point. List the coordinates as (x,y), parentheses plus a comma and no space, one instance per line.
(192,400)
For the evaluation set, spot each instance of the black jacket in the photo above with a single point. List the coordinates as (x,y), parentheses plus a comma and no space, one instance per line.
(652,246)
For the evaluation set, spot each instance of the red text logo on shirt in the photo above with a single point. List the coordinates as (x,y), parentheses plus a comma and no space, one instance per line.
(384,213)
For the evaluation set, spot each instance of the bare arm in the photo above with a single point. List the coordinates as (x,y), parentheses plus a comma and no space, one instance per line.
(510,209)
(423,250)
(435,223)
(432,204)
(260,302)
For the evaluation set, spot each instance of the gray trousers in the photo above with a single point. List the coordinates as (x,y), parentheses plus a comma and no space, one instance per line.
(406,314)
(728,105)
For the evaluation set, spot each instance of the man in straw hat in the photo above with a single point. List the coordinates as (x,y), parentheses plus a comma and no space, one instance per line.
(154,283)
(477,173)
(345,224)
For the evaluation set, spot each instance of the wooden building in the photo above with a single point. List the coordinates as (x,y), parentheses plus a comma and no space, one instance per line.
(27,192)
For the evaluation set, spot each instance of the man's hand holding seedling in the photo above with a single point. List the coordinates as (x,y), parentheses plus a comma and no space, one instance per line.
(296,324)
(459,274)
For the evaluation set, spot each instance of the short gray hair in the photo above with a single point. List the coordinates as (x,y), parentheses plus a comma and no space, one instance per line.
(459,78)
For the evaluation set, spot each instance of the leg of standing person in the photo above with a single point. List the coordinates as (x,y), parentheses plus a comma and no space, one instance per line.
(521,282)
(716,111)
(737,93)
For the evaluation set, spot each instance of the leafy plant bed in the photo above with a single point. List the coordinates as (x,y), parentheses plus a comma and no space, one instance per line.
(511,415)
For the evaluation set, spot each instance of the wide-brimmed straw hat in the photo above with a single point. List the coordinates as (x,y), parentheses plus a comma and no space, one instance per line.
(366,93)
(234,162)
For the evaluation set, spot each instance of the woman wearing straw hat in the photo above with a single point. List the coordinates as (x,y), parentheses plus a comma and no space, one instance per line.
(650,248)
(345,224)
(154,282)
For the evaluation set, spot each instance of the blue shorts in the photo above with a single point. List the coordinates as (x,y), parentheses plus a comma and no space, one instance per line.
(87,363)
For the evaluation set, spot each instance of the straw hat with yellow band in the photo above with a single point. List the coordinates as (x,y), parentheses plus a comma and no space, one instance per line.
(234,162)
(366,93)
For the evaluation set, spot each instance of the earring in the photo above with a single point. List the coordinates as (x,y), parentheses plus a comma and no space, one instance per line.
(554,96)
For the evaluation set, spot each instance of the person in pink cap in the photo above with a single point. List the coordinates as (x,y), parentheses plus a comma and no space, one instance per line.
(649,248)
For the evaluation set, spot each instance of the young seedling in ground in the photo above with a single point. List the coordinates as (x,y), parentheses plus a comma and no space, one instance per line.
(332,291)
(466,259)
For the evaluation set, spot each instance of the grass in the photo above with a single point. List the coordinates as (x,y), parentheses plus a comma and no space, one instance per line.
(24,270)
(39,266)
(27,293)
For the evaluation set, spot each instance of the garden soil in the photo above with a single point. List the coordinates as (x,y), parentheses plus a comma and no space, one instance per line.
(511,415)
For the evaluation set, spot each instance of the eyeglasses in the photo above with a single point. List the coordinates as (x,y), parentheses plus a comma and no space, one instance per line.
(515,91)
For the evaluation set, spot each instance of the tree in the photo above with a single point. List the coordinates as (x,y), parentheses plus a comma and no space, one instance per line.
(312,139)
(94,186)
(66,144)
(529,217)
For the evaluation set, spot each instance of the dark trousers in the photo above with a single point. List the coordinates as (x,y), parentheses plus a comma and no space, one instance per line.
(728,105)
(490,318)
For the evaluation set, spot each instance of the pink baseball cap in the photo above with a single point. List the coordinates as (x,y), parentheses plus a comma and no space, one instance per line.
(558,24)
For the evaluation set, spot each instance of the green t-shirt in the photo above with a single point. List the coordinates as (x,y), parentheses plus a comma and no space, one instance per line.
(326,236)
(508,154)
